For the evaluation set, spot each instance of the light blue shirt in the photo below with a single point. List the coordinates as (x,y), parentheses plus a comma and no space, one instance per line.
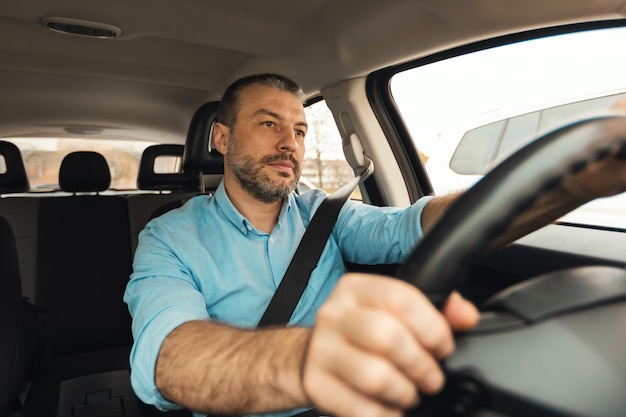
(205,261)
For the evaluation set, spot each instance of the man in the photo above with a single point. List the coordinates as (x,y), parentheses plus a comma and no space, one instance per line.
(204,274)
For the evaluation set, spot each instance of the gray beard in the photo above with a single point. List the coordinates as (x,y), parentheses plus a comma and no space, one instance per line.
(250,175)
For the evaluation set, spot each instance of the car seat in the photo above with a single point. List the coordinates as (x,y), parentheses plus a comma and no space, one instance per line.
(12,355)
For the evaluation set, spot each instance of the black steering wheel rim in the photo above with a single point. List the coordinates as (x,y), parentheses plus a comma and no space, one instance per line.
(438,264)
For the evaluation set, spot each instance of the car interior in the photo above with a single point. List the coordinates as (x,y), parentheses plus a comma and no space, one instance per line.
(551,341)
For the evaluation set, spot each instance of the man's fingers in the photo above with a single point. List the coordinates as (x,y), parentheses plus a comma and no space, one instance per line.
(408,305)
(460,313)
(381,334)
(367,374)
(333,396)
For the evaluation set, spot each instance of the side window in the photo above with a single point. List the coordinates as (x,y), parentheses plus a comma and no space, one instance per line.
(467,113)
(325,166)
(167,164)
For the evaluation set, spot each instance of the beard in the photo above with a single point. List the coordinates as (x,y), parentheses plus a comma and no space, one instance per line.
(249,172)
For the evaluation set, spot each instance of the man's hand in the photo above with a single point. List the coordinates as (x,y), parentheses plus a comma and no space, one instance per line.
(376,346)
(600,179)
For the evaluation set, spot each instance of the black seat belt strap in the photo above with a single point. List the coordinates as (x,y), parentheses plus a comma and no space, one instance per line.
(307,254)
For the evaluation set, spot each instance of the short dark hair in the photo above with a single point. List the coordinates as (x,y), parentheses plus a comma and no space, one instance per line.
(229,105)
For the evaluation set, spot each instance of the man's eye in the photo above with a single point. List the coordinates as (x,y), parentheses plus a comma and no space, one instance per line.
(301,133)
(268,124)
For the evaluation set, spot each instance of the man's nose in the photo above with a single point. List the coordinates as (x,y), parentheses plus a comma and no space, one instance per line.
(288,140)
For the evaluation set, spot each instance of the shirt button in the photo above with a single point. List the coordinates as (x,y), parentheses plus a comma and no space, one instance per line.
(249,227)
(271,241)
(243,230)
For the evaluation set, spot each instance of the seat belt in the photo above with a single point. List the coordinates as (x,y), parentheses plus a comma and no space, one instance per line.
(309,250)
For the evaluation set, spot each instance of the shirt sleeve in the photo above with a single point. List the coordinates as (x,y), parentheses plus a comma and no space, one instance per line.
(372,235)
(161,295)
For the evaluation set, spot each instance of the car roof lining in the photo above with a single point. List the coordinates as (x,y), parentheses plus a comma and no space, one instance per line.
(185,56)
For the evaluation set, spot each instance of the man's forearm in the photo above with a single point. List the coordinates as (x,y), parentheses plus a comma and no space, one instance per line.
(546,210)
(435,209)
(212,368)
(599,179)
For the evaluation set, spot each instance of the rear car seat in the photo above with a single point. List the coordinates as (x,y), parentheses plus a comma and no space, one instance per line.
(13,179)
(30,325)
(21,212)
(13,361)
(84,259)
(83,265)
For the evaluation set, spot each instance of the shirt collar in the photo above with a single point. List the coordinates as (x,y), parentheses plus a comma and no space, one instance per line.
(237,219)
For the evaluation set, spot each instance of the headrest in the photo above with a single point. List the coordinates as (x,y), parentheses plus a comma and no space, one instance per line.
(199,155)
(84,171)
(14,179)
(148,179)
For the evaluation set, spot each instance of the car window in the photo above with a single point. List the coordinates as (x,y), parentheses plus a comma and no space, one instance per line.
(467,113)
(43,156)
(324,165)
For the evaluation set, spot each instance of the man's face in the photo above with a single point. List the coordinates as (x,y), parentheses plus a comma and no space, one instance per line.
(266,144)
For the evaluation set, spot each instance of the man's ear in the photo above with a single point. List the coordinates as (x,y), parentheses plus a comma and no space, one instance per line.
(221,135)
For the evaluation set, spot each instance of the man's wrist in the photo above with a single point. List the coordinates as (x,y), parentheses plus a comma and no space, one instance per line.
(290,378)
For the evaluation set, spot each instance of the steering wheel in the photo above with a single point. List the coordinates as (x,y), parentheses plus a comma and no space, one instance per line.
(551,346)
